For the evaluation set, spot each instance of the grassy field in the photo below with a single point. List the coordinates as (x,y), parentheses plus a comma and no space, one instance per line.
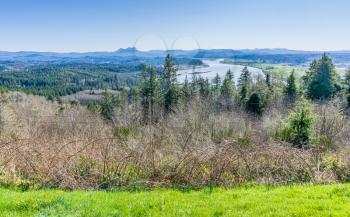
(332,200)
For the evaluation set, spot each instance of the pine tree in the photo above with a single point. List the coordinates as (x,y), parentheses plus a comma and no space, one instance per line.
(186,90)
(143,74)
(153,93)
(227,89)
(194,85)
(229,75)
(124,97)
(309,74)
(290,89)
(204,87)
(150,96)
(216,85)
(323,79)
(300,123)
(244,84)
(268,81)
(170,86)
(107,105)
(135,95)
(144,94)
(254,104)
(347,84)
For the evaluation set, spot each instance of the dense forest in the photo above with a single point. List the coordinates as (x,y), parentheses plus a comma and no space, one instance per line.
(59,80)
(262,129)
(55,80)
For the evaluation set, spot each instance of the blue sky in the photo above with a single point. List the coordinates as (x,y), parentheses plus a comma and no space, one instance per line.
(106,25)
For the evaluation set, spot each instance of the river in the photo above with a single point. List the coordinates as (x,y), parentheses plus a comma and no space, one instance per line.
(214,67)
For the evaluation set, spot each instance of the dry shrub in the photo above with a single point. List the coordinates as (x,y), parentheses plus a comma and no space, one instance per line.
(47,146)
(329,124)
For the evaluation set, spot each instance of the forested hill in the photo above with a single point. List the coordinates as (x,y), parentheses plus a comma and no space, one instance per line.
(58,74)
(130,55)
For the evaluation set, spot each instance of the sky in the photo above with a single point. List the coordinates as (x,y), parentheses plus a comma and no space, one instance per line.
(107,25)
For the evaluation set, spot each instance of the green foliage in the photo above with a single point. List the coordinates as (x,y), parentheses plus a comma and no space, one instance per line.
(186,90)
(107,105)
(194,85)
(299,125)
(340,168)
(321,79)
(347,83)
(216,88)
(255,105)
(244,85)
(170,86)
(150,96)
(268,81)
(309,74)
(227,89)
(204,87)
(135,95)
(290,89)
(65,79)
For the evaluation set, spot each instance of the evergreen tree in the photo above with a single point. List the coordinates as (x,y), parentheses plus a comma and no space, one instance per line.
(107,105)
(255,104)
(323,79)
(309,74)
(150,96)
(143,74)
(216,85)
(229,75)
(244,84)
(194,85)
(227,89)
(135,95)
(268,81)
(347,84)
(144,94)
(290,89)
(261,88)
(186,90)
(153,93)
(300,124)
(204,87)
(123,97)
(170,86)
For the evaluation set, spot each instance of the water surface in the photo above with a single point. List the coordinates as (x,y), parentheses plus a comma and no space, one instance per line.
(213,67)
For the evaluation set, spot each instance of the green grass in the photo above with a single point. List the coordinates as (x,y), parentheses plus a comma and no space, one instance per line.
(328,200)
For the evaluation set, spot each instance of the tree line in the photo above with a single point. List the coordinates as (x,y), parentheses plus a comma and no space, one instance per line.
(160,94)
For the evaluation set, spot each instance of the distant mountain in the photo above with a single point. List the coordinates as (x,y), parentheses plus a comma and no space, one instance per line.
(130,54)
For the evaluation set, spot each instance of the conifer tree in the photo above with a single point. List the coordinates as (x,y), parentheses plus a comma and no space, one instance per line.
(227,89)
(309,74)
(300,123)
(323,79)
(347,83)
(268,81)
(290,89)
(107,105)
(244,84)
(194,85)
(216,85)
(153,92)
(255,104)
(169,85)
(144,94)
(204,87)
(186,90)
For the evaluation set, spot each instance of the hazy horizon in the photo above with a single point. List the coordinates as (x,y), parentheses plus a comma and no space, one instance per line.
(153,50)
